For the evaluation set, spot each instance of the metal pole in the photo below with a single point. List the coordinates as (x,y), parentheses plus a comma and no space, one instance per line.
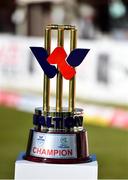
(72,82)
(46,88)
(59,81)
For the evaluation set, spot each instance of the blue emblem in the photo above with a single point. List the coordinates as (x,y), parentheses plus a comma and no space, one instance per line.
(41,140)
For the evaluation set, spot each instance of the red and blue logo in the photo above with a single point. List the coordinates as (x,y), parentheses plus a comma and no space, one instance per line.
(66,65)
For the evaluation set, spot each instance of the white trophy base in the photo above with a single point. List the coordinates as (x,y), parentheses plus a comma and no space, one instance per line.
(32,170)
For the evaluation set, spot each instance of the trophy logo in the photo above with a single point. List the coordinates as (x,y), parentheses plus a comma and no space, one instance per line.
(41,140)
(58,135)
(65,64)
(64,143)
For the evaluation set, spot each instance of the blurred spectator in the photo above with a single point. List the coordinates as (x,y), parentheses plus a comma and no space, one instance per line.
(86,21)
(6,9)
(118,11)
(92,18)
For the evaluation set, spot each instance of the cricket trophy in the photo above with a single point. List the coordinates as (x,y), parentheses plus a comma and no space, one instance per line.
(58,135)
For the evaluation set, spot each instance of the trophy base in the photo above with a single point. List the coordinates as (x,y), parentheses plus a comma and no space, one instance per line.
(66,148)
(57,161)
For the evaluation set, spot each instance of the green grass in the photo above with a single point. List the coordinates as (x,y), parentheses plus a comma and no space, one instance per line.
(109,144)
(14,127)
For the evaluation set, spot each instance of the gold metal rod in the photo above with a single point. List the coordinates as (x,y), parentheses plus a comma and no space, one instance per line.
(72,82)
(59,81)
(46,88)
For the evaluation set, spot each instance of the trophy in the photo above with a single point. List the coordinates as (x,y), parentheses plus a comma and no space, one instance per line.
(58,135)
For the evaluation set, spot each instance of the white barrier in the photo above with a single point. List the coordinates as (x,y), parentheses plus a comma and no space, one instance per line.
(103,76)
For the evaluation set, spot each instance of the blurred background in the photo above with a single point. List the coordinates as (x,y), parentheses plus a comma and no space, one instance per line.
(102,27)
